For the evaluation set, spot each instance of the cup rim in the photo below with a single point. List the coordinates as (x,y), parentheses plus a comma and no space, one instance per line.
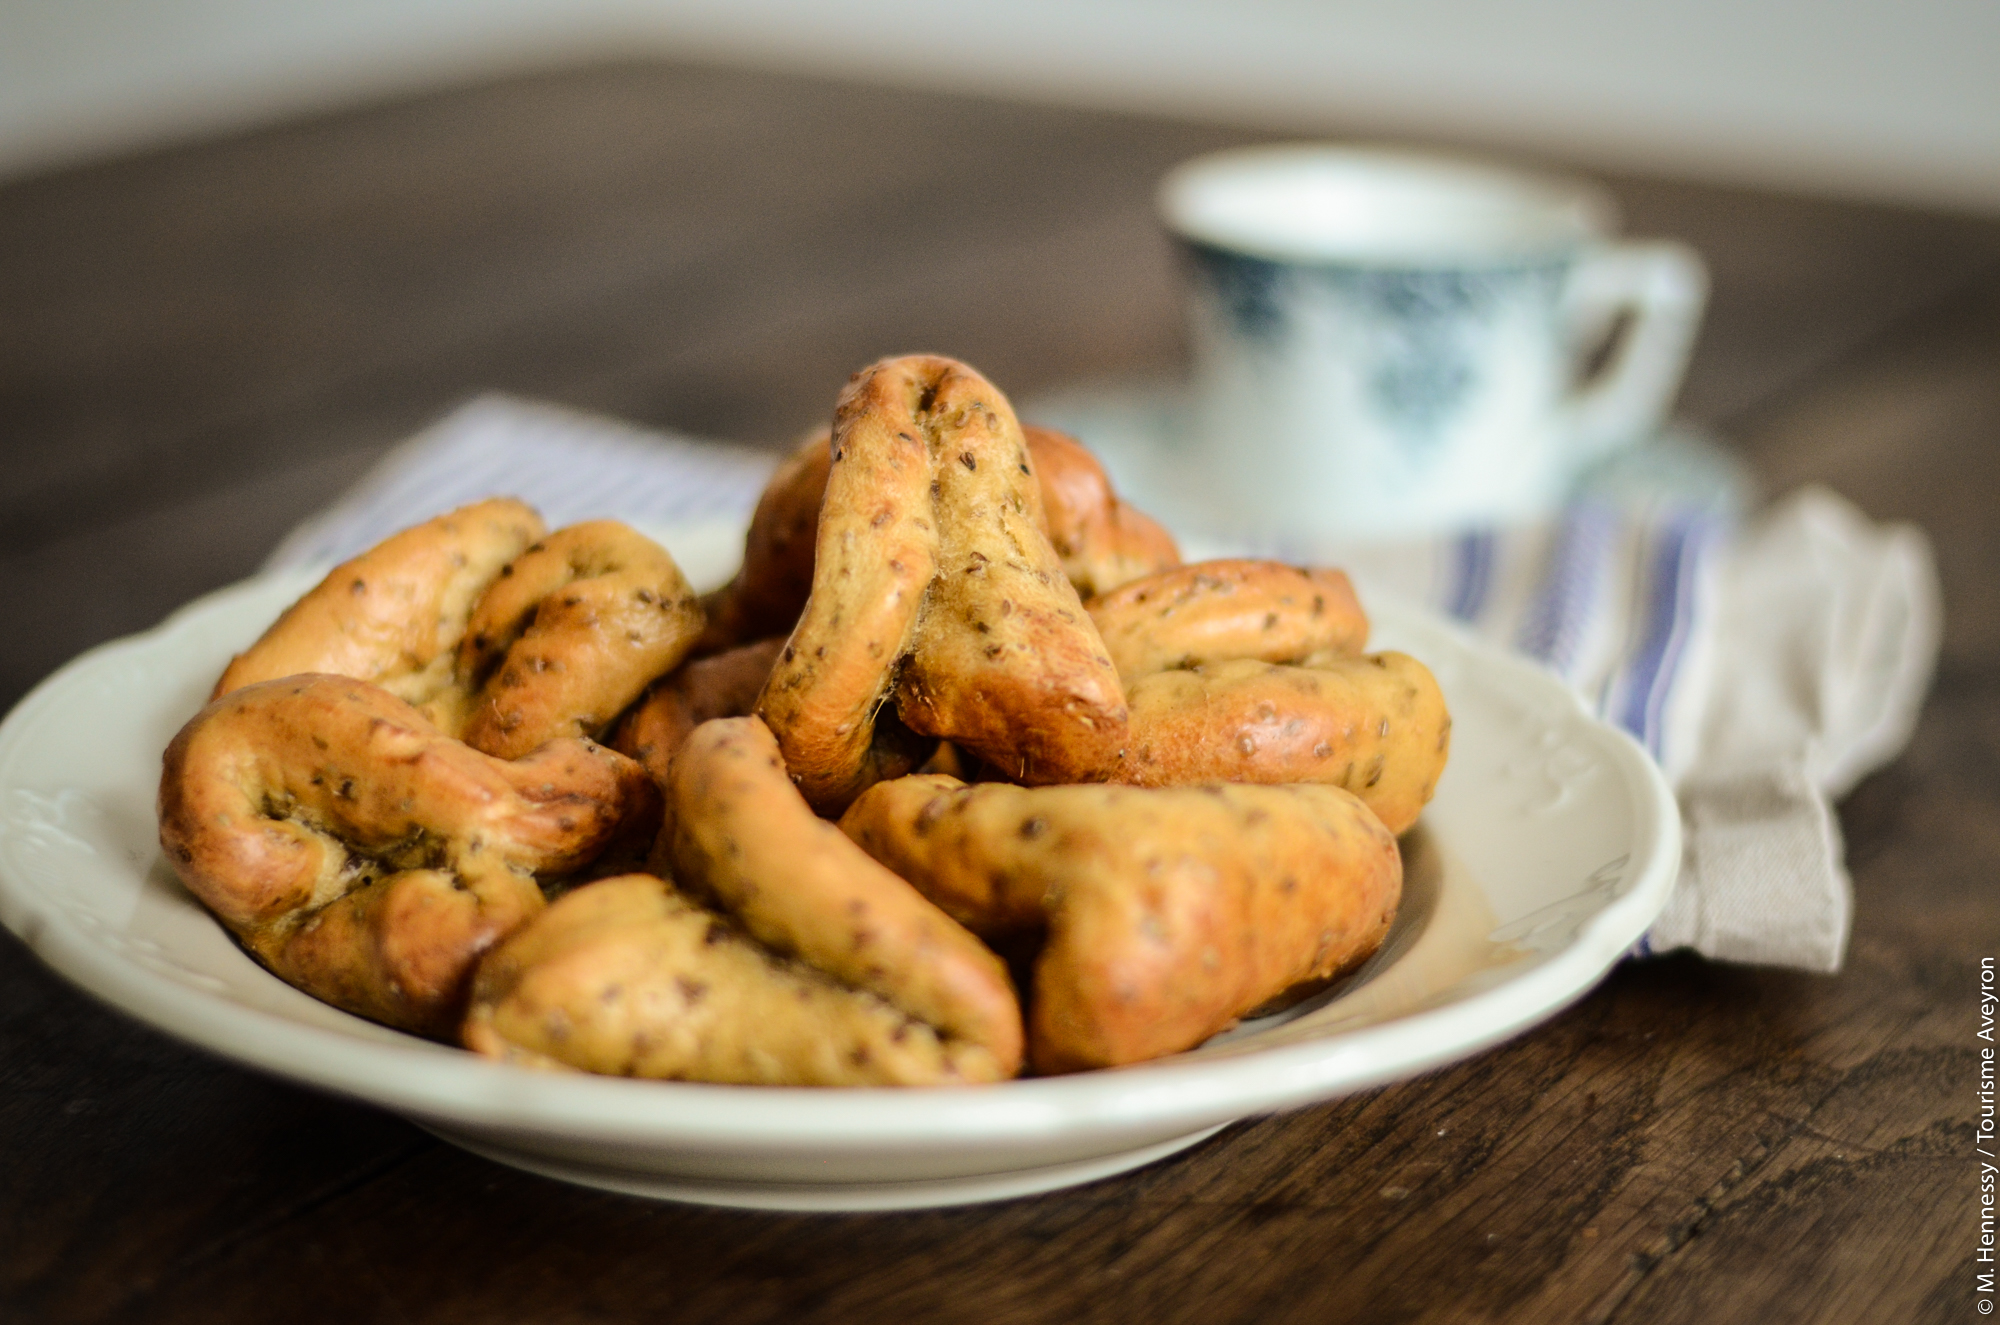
(1582,212)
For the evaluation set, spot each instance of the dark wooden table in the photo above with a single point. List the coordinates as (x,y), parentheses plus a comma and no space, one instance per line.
(199,347)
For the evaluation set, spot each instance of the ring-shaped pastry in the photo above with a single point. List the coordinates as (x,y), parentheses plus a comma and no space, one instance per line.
(570,634)
(394,615)
(1100,538)
(501,636)
(368,858)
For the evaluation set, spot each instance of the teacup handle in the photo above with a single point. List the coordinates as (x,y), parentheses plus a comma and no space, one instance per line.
(1663,286)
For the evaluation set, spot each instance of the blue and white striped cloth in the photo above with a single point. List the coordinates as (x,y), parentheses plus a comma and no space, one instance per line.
(1640,595)
(1613,598)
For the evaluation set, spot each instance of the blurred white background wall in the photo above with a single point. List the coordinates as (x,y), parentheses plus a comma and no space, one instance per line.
(1894,99)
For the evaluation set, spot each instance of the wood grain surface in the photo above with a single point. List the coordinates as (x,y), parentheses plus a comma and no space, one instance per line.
(200,347)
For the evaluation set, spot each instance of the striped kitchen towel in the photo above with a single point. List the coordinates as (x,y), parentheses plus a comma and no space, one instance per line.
(1613,598)
(1766,665)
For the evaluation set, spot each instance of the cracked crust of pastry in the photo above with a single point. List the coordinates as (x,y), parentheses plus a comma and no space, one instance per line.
(629,977)
(394,615)
(1375,725)
(746,840)
(874,555)
(1104,541)
(1219,611)
(1005,662)
(1170,913)
(570,634)
(365,856)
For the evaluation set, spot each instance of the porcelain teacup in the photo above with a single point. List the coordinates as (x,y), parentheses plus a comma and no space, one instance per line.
(1389,342)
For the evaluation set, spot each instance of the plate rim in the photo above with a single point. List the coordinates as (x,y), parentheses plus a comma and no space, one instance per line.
(448,1084)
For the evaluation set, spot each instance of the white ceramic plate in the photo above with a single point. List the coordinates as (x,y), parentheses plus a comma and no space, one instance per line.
(1549,849)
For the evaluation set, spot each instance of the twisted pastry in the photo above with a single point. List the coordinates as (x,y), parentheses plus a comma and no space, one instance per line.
(790,958)
(1169,913)
(569,635)
(1101,539)
(498,638)
(1006,663)
(875,554)
(394,615)
(934,585)
(368,858)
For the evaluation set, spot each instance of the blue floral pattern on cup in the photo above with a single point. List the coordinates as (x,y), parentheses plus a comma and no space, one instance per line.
(1425,329)
(1248,287)
(1386,342)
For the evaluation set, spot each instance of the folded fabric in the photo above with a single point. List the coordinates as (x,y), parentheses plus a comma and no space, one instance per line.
(1615,600)
(1766,666)
(1827,630)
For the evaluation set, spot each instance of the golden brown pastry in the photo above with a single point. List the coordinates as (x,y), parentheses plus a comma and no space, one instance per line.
(1169,913)
(1006,663)
(1374,725)
(723,685)
(875,555)
(784,955)
(499,635)
(983,856)
(933,585)
(365,856)
(394,615)
(745,838)
(926,557)
(573,630)
(628,977)
(1218,611)
(1104,541)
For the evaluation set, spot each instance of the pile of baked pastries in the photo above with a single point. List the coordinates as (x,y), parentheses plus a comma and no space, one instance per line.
(962,738)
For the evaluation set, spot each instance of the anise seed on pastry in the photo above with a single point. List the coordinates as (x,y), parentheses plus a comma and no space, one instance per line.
(934,586)
(1375,725)
(365,856)
(570,634)
(502,636)
(1100,538)
(394,615)
(781,954)
(1169,913)
(1220,611)
(630,977)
